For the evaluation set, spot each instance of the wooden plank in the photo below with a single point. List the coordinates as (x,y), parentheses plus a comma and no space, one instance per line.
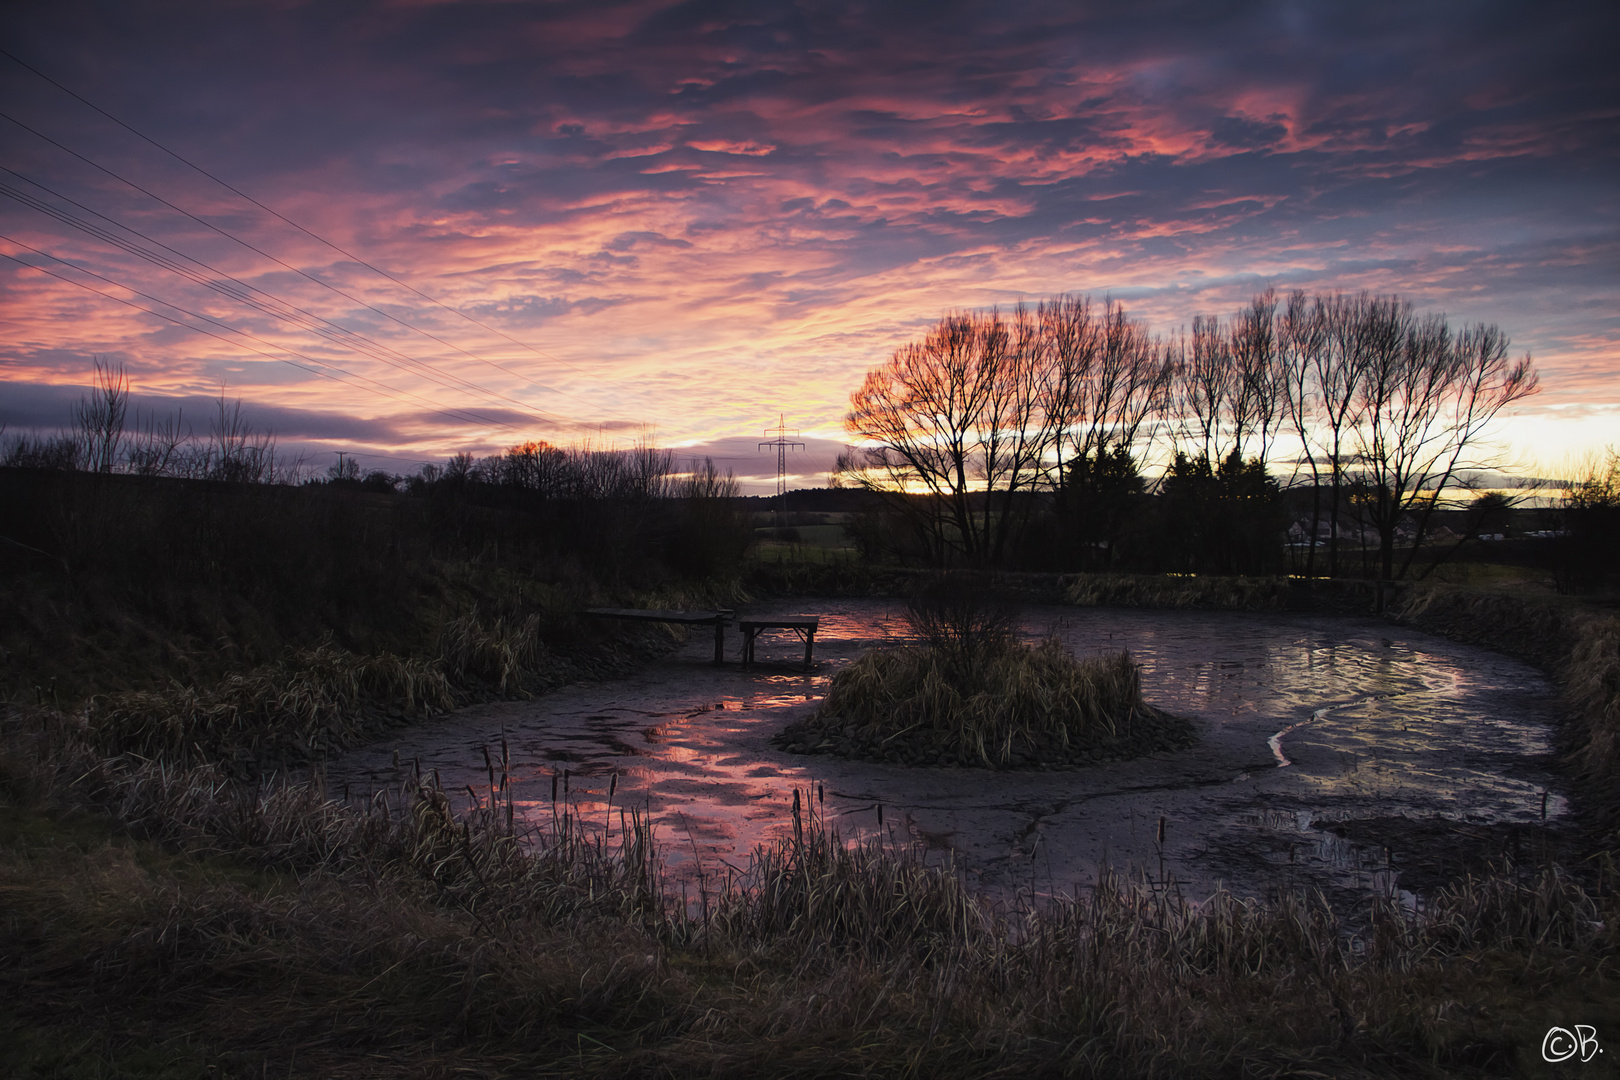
(718,618)
(807,622)
(804,626)
(658,615)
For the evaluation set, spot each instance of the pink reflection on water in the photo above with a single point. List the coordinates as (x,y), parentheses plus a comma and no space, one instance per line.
(1405,727)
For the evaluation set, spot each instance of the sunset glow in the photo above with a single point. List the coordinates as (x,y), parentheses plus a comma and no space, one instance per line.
(678,221)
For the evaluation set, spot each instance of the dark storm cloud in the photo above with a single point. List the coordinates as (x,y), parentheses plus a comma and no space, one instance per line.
(35,407)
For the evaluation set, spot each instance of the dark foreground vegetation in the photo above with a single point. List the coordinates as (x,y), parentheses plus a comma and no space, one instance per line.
(171,911)
(163,921)
(173,904)
(122,580)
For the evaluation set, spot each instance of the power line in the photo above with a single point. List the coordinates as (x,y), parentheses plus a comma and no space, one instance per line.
(259,251)
(282,217)
(306,319)
(353,379)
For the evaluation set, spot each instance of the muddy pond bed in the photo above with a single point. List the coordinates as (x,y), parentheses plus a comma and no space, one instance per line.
(1344,754)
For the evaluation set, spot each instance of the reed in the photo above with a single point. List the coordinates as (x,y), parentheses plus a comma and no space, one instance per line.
(1180,591)
(308,703)
(508,655)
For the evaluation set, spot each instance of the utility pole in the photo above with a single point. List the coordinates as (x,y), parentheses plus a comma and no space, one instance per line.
(782,441)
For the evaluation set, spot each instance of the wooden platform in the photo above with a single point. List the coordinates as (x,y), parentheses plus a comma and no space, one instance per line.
(718,618)
(804,626)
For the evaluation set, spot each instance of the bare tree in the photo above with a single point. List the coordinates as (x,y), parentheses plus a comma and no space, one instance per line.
(1424,400)
(1108,378)
(1015,428)
(157,446)
(1229,384)
(1206,390)
(1301,343)
(1354,329)
(957,429)
(100,418)
(237,452)
(1256,354)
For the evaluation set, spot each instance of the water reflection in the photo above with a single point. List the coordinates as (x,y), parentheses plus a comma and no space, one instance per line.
(1303,720)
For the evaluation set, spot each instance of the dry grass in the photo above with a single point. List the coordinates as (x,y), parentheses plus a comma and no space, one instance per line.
(506,655)
(1179,591)
(315,701)
(1591,681)
(1018,706)
(278,930)
(305,705)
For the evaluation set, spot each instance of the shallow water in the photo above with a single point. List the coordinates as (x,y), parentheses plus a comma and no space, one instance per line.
(1303,722)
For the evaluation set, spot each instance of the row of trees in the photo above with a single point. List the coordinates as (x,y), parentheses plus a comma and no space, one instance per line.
(104,438)
(992,418)
(608,507)
(622,512)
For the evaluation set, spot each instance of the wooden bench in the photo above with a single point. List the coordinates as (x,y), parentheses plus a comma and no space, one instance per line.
(804,626)
(688,618)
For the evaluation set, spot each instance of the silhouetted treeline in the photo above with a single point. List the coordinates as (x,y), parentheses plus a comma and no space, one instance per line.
(217,551)
(1230,519)
(1585,550)
(104,438)
(992,430)
(623,515)
(616,516)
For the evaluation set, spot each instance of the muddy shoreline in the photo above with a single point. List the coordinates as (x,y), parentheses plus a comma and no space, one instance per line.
(1377,725)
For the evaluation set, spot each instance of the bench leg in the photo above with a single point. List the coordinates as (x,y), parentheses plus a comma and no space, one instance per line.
(719,641)
(809,645)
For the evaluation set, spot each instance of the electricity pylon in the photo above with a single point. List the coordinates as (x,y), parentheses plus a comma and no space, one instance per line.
(782,442)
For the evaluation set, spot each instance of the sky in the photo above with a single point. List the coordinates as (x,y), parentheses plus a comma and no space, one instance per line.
(415,228)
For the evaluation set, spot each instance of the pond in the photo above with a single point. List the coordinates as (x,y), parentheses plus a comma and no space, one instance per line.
(1345,754)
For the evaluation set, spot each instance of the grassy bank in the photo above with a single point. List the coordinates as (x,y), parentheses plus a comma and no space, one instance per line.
(200,928)
(313,702)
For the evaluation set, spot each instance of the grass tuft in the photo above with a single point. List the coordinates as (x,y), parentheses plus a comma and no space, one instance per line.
(1020,706)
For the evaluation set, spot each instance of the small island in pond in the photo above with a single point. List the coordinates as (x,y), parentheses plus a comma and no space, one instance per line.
(971,694)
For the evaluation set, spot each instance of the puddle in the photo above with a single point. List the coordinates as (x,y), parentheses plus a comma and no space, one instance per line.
(1318,737)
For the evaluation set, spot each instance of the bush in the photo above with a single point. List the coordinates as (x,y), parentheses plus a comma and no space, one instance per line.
(963,621)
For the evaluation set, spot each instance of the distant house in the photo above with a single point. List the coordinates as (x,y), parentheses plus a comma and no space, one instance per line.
(1299,533)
